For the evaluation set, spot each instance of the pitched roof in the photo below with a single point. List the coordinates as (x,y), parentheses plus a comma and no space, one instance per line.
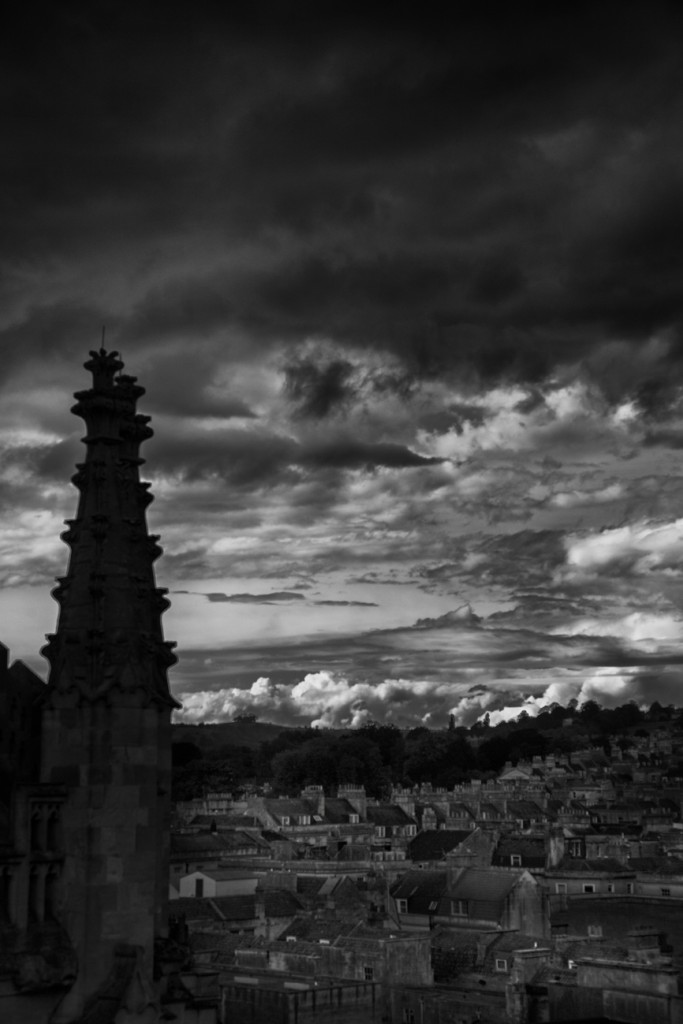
(193,843)
(531,849)
(193,908)
(488,885)
(422,889)
(389,814)
(525,809)
(458,809)
(310,885)
(602,865)
(433,845)
(288,807)
(657,865)
(338,810)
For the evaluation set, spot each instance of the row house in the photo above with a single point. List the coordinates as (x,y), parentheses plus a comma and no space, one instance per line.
(393,828)
(347,975)
(431,848)
(470,898)
(195,851)
(260,913)
(581,877)
(298,819)
(658,877)
(525,851)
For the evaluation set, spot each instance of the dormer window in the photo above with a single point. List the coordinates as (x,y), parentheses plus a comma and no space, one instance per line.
(304,819)
(284,819)
(380,831)
(515,860)
(354,819)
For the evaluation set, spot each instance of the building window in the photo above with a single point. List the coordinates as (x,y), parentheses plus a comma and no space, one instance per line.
(666,892)
(380,831)
(199,886)
(594,931)
(610,887)
(515,860)
(402,906)
(433,905)
(561,888)
(369,973)
(354,819)
(459,908)
(629,888)
(408,1016)
(589,887)
(501,965)
(284,820)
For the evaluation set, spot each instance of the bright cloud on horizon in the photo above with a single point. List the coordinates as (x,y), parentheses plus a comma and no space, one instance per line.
(329,700)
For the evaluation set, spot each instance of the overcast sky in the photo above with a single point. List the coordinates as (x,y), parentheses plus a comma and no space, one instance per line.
(407,302)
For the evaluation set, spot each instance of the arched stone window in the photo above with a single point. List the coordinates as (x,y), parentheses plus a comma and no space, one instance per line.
(53,834)
(35,902)
(36,830)
(52,895)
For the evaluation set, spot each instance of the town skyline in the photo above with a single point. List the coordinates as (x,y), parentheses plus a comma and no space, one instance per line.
(407,312)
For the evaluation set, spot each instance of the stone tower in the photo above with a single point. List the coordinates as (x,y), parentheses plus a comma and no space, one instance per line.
(107,709)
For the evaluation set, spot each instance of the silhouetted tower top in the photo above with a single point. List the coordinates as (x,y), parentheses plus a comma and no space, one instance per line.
(109,644)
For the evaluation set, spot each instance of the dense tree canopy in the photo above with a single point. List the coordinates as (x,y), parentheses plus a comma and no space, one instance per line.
(379,755)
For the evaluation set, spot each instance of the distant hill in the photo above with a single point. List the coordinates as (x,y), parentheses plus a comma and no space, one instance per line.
(237,734)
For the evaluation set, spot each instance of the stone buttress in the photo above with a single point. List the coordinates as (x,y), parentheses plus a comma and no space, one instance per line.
(107,710)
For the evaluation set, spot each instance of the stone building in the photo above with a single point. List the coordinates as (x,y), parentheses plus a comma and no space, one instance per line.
(84,857)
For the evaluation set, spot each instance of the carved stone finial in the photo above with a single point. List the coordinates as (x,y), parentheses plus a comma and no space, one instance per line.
(103,365)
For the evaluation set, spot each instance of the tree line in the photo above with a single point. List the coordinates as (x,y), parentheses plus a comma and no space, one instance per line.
(379,755)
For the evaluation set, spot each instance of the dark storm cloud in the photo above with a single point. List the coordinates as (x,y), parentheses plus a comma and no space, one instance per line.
(48,333)
(487,200)
(246,458)
(664,439)
(316,390)
(273,598)
(349,604)
(526,556)
(243,458)
(350,453)
(182,386)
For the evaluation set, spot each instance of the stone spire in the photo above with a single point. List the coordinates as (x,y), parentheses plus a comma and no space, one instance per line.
(109,643)
(106,717)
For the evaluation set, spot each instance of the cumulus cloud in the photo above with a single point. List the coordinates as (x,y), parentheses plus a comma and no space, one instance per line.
(327,700)
(637,549)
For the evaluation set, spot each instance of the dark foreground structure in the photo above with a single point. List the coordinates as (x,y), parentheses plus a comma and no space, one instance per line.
(84,832)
